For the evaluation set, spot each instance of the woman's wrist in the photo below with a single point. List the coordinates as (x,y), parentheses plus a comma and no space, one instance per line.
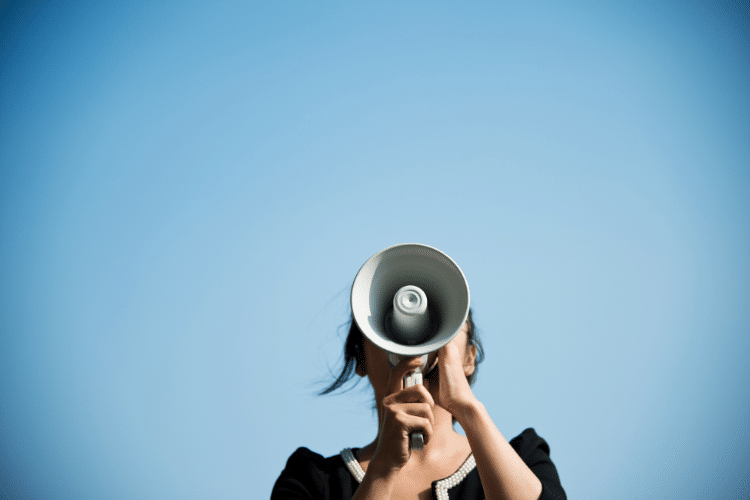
(469,412)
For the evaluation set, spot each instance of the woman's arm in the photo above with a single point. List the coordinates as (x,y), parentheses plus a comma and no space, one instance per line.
(503,473)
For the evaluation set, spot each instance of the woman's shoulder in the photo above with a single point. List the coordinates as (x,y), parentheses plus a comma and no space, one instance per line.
(308,474)
(305,459)
(305,455)
(531,447)
(535,451)
(529,439)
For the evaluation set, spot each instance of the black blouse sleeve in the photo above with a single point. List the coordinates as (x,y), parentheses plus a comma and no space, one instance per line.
(298,480)
(534,451)
(310,476)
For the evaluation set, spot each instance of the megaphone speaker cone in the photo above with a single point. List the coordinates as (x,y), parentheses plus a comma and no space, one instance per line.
(410,299)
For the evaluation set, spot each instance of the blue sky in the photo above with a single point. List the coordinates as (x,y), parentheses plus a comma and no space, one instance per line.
(187,190)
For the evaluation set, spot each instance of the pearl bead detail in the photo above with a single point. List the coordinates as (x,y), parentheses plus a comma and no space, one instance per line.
(352,464)
(441,487)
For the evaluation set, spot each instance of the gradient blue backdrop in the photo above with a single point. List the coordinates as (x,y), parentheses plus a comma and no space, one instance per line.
(187,190)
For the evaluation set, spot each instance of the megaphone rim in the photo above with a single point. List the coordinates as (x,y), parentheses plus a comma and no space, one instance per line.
(401,349)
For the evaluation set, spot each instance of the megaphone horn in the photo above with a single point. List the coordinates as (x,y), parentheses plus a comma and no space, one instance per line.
(410,300)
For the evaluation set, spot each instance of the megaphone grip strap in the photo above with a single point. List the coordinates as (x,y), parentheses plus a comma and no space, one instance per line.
(412,379)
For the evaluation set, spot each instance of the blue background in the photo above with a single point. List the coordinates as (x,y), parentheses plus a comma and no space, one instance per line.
(187,190)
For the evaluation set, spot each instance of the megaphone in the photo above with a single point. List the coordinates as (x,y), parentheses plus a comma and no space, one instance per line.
(410,300)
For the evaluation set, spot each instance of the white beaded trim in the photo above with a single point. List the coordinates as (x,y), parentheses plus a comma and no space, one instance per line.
(352,464)
(441,487)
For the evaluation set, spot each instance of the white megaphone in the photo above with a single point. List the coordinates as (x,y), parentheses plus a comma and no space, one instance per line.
(410,300)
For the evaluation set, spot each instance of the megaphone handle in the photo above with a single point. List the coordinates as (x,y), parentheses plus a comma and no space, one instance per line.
(411,379)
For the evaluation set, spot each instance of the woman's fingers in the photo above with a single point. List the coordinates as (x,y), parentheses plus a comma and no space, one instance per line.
(403,412)
(422,410)
(414,394)
(409,409)
(415,420)
(396,380)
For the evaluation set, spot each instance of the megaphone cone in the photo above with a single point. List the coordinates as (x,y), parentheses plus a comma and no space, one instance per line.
(410,265)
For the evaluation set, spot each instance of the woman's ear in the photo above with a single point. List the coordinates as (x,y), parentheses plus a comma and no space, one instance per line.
(471,356)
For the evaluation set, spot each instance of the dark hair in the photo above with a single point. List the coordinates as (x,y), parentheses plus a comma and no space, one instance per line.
(354,352)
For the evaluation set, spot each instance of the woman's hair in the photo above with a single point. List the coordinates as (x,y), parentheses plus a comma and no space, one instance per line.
(354,352)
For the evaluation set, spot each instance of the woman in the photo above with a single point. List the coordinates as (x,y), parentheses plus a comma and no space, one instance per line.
(482,464)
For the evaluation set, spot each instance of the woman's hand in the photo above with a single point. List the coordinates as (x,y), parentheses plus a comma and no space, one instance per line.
(403,411)
(455,394)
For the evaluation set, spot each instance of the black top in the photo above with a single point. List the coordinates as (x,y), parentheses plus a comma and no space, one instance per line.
(310,476)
